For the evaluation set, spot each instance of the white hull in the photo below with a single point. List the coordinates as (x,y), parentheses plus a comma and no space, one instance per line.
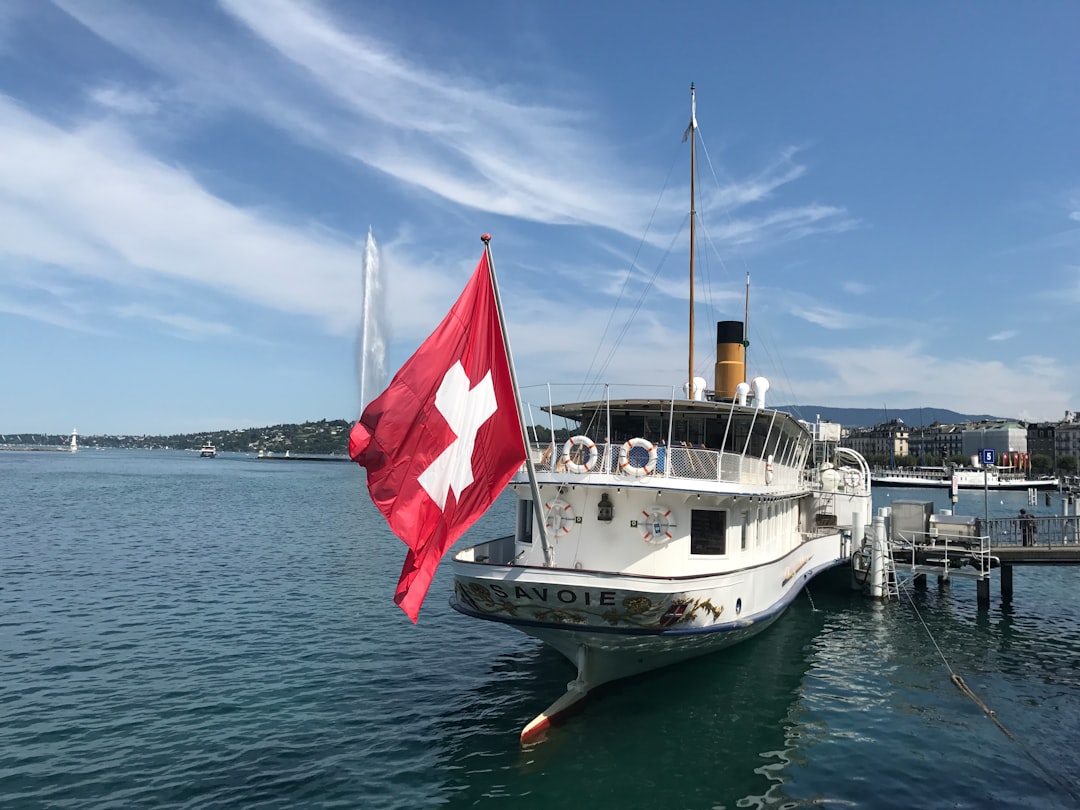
(639,591)
(631,625)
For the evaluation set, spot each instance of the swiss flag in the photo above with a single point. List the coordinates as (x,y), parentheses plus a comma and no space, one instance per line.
(442,441)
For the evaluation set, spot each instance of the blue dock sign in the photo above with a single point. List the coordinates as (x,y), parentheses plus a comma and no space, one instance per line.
(987,457)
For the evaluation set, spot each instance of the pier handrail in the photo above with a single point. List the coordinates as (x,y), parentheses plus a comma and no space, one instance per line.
(1050,531)
(948,551)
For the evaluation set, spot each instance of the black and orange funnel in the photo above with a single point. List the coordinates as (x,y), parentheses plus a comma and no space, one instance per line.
(730,358)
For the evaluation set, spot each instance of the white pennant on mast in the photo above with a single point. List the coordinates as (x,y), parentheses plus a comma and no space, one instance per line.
(693,114)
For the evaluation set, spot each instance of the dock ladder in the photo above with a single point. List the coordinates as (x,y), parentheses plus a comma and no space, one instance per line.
(892,584)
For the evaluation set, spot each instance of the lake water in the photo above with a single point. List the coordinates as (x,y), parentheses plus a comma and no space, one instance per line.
(186,632)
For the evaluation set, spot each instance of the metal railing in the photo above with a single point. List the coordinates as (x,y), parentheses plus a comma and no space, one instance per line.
(923,552)
(1044,531)
(697,463)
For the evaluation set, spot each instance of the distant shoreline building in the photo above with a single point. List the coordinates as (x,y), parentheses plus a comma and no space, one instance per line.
(939,443)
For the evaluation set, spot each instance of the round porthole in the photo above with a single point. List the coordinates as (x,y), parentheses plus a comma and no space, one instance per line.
(738,606)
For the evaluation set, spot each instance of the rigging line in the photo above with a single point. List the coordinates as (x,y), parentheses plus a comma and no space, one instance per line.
(922,621)
(637,306)
(727,213)
(764,346)
(714,309)
(629,274)
(960,684)
(709,241)
(706,274)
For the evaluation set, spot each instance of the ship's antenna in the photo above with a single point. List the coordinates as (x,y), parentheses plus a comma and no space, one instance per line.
(746,331)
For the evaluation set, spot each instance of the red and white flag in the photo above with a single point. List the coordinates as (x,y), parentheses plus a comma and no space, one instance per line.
(442,441)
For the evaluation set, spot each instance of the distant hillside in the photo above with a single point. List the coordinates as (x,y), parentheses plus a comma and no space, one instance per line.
(332,436)
(322,437)
(868,417)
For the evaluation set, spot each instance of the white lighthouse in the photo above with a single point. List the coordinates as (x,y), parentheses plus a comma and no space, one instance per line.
(74,440)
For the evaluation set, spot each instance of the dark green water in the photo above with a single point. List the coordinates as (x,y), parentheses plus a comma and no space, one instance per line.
(186,632)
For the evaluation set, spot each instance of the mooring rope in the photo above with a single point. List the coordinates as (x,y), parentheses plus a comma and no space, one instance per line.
(960,684)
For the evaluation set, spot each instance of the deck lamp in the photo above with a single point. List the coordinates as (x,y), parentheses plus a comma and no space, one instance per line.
(605,511)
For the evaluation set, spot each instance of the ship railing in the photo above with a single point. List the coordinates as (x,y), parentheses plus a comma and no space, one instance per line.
(684,462)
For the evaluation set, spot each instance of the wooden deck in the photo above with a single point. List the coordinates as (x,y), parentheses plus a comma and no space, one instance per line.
(1013,554)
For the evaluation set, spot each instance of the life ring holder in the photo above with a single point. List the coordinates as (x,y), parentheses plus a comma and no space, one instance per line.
(769,472)
(633,470)
(657,526)
(579,441)
(559,516)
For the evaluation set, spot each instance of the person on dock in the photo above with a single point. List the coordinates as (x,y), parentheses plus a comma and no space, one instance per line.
(1028,529)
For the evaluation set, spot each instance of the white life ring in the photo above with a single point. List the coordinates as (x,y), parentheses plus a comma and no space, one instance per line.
(657,526)
(769,470)
(559,516)
(852,478)
(624,458)
(579,441)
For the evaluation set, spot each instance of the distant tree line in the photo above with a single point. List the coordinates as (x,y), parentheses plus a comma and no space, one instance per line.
(325,437)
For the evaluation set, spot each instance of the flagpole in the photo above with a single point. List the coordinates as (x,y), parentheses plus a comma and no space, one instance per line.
(529,466)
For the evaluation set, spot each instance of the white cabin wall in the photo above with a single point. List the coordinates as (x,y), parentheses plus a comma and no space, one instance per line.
(771,529)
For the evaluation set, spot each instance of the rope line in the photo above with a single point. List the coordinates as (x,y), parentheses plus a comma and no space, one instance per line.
(961,684)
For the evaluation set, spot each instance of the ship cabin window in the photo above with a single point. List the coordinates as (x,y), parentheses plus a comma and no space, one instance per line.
(524,530)
(708,531)
(745,530)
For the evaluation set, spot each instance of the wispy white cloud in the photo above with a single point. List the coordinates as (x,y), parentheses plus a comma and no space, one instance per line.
(177,324)
(1073,207)
(783,225)
(91,201)
(44,313)
(856,287)
(1004,335)
(469,141)
(807,308)
(1031,388)
(123,100)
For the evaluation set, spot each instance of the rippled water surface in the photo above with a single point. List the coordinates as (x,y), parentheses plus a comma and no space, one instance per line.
(186,632)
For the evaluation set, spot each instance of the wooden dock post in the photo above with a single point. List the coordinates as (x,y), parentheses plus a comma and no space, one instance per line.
(982,592)
(1006,583)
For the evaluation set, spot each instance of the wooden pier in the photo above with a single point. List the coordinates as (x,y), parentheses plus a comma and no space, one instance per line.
(1054,541)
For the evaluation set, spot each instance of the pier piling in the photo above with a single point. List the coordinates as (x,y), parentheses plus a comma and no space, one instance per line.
(1006,574)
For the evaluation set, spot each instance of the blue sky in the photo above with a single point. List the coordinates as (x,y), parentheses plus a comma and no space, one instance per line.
(186,189)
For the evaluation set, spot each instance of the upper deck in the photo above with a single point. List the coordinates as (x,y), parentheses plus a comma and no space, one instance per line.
(683,441)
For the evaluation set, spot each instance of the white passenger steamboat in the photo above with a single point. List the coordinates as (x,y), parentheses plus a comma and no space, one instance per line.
(666,528)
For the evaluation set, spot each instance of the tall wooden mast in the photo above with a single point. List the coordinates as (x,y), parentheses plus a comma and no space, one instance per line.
(693,215)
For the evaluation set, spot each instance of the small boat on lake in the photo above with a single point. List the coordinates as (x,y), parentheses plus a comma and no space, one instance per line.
(207,450)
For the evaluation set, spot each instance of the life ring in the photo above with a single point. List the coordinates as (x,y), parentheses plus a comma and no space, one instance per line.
(852,478)
(579,441)
(657,526)
(631,469)
(559,516)
(769,470)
